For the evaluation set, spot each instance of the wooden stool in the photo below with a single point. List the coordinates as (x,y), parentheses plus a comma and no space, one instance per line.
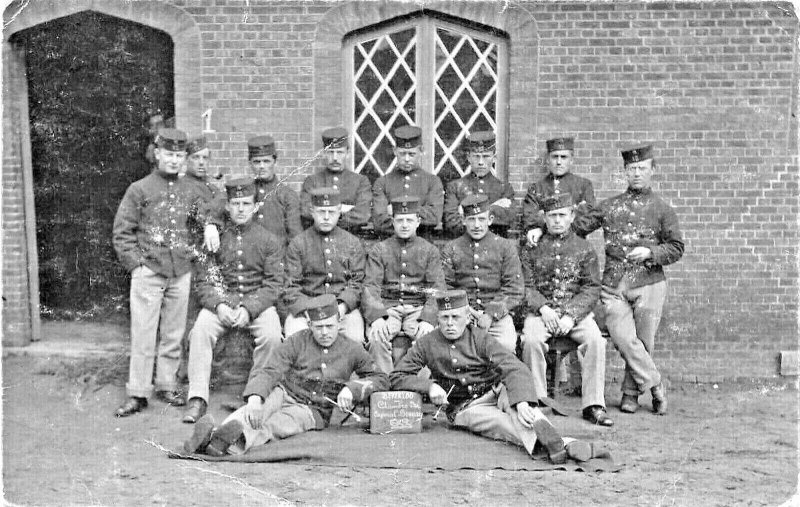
(558,346)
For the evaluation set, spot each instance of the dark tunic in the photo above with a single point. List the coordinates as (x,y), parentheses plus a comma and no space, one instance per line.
(214,198)
(578,187)
(278,209)
(396,185)
(354,189)
(489,186)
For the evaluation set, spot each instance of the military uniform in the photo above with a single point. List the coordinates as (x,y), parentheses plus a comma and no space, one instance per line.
(278,209)
(633,292)
(471,184)
(247,272)
(355,191)
(578,187)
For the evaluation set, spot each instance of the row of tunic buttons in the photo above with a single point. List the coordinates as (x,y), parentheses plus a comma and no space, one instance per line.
(328,261)
(463,380)
(172,210)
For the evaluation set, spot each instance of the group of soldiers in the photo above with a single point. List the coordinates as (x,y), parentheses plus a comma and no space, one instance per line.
(333,321)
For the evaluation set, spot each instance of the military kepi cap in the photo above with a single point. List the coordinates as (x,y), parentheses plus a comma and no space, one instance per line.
(474,204)
(241,186)
(260,146)
(557,201)
(481,141)
(322,307)
(560,143)
(451,299)
(196,144)
(405,206)
(325,196)
(171,139)
(637,154)
(335,137)
(408,136)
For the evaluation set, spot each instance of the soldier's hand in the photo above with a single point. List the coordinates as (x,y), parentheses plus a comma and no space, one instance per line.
(565,325)
(254,412)
(423,328)
(211,238)
(484,321)
(533,236)
(342,310)
(437,395)
(346,207)
(225,315)
(639,254)
(380,332)
(389,209)
(550,319)
(242,317)
(345,399)
(505,202)
(526,414)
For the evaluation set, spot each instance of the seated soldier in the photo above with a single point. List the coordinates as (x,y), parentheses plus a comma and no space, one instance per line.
(488,268)
(325,259)
(297,389)
(562,286)
(402,274)
(486,388)
(237,289)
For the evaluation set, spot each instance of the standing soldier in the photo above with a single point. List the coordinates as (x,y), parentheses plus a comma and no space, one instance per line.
(562,286)
(325,259)
(354,189)
(642,235)
(408,180)
(559,180)
(277,205)
(488,268)
(151,238)
(403,272)
(238,290)
(480,181)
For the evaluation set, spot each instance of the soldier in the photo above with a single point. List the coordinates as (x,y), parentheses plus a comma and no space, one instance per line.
(151,238)
(488,268)
(642,235)
(562,286)
(403,272)
(480,181)
(559,180)
(295,391)
(406,181)
(238,290)
(354,189)
(486,389)
(324,259)
(277,205)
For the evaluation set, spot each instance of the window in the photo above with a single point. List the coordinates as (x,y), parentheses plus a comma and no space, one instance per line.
(447,76)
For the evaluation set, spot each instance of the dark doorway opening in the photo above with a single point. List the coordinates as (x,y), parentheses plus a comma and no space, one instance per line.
(93,82)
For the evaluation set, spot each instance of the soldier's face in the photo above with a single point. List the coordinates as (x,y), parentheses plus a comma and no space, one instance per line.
(452,323)
(263,167)
(325,331)
(478,225)
(639,174)
(559,162)
(405,225)
(336,158)
(170,162)
(559,220)
(196,163)
(325,217)
(481,162)
(240,209)
(408,158)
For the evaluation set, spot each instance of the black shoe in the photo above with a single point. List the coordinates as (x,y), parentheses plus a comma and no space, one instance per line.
(224,437)
(597,415)
(195,410)
(629,404)
(173,398)
(659,399)
(131,406)
(203,430)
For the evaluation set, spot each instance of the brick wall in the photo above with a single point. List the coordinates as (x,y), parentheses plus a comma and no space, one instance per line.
(711,84)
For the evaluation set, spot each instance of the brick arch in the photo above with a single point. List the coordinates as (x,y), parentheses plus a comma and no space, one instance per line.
(514,20)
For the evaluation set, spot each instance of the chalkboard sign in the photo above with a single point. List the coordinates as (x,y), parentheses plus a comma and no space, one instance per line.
(395,412)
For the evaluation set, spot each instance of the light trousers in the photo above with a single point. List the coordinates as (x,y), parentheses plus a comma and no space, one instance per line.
(403,318)
(501,330)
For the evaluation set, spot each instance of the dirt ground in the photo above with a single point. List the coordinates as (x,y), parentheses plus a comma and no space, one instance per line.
(726,445)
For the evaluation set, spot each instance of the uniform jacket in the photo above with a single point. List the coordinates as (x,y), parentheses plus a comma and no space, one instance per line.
(319,264)
(562,272)
(635,218)
(278,209)
(580,188)
(418,183)
(354,189)
(402,272)
(246,270)
(151,226)
(213,197)
(469,363)
(489,270)
(309,372)
(489,186)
